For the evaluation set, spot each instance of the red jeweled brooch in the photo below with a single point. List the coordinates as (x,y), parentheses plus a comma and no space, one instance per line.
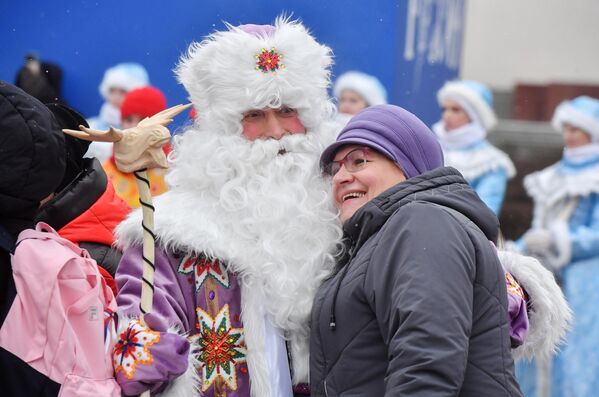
(269,61)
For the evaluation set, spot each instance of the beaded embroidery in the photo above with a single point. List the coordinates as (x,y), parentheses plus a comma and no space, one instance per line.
(269,61)
(202,267)
(133,348)
(513,288)
(222,348)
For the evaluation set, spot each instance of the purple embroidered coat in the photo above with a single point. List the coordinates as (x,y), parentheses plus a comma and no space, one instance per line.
(199,297)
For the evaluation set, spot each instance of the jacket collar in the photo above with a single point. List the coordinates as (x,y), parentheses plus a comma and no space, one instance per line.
(77,197)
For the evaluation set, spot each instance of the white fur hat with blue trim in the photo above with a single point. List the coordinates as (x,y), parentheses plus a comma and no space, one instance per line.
(581,112)
(126,76)
(475,98)
(367,86)
(254,67)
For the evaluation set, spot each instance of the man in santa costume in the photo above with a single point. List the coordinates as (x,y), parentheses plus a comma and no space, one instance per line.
(247,231)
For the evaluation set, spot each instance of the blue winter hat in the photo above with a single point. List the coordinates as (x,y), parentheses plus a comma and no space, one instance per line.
(369,87)
(395,133)
(127,76)
(476,99)
(482,90)
(581,112)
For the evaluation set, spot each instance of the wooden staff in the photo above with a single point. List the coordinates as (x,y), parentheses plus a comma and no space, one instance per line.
(135,150)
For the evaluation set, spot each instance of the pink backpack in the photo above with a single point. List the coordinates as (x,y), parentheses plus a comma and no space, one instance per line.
(61,321)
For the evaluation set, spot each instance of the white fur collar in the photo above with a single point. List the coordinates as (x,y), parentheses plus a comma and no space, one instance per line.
(582,154)
(110,114)
(550,185)
(461,137)
(477,161)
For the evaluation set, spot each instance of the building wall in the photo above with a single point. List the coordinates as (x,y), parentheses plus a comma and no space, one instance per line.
(533,41)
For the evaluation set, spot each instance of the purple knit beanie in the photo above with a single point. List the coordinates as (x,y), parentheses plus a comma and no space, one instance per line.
(394,132)
(257,30)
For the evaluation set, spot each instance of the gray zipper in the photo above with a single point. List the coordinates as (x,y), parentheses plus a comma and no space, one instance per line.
(326,393)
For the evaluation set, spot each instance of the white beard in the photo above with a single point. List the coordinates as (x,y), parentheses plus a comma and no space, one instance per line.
(269,216)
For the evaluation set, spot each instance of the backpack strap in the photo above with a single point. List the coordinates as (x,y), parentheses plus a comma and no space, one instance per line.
(44,231)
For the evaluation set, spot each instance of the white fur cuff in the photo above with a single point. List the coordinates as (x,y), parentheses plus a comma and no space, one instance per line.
(549,314)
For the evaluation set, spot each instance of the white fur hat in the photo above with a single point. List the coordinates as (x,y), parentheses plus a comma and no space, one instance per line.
(369,87)
(475,98)
(255,67)
(127,76)
(581,112)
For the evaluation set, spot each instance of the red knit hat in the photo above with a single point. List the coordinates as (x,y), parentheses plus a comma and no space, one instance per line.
(144,102)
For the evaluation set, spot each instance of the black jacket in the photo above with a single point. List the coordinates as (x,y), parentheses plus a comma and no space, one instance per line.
(32,164)
(74,200)
(420,306)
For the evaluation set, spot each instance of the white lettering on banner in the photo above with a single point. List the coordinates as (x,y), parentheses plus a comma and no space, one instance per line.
(434,30)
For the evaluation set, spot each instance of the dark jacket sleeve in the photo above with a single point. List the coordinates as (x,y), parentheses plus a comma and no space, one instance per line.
(106,256)
(420,278)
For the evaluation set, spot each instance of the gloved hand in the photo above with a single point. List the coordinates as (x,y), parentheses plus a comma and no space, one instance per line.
(147,357)
(538,241)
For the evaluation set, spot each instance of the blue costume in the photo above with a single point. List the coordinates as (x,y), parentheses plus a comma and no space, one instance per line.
(565,236)
(466,148)
(486,168)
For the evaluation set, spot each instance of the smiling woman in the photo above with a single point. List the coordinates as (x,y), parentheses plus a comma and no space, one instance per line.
(356,182)
(417,306)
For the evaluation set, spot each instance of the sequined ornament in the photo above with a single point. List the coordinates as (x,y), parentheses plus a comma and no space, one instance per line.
(222,348)
(201,267)
(132,348)
(513,288)
(269,61)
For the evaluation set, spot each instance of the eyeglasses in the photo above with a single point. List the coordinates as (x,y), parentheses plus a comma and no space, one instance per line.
(354,161)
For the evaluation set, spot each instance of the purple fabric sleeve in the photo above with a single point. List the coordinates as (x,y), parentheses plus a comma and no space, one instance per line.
(168,352)
(516,308)
(517,313)
(170,305)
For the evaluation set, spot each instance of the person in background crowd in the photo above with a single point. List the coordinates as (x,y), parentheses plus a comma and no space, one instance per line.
(85,208)
(245,233)
(356,91)
(565,236)
(117,81)
(42,80)
(137,105)
(467,117)
(417,306)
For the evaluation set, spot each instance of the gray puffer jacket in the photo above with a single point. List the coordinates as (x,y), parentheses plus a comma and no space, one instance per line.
(419,305)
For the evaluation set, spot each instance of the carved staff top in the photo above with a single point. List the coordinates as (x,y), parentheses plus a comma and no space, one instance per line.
(139,147)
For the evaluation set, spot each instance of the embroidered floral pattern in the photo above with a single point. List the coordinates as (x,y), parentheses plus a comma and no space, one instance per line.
(513,288)
(132,348)
(222,348)
(202,267)
(269,61)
